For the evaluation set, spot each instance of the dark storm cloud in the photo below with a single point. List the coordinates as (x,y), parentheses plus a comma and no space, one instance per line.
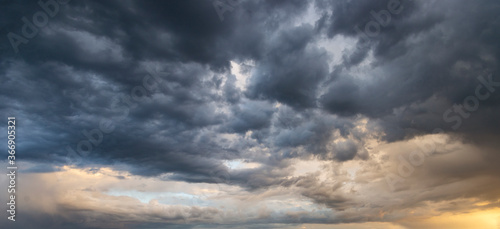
(82,67)
(416,60)
(82,84)
(88,62)
(250,116)
(231,92)
(290,79)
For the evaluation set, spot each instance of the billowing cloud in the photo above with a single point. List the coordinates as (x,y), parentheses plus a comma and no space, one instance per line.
(266,114)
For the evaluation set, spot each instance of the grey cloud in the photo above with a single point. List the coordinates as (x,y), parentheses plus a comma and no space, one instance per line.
(250,115)
(84,66)
(290,79)
(345,150)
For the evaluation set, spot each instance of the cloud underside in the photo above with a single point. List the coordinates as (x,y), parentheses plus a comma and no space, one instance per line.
(320,112)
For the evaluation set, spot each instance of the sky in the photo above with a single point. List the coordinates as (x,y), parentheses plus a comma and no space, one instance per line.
(200,114)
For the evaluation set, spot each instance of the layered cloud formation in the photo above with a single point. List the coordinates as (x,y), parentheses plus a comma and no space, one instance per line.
(254,114)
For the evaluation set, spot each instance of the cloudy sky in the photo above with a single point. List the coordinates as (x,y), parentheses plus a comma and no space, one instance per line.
(252,114)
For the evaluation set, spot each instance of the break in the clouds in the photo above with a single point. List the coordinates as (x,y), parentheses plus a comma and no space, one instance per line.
(253,114)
